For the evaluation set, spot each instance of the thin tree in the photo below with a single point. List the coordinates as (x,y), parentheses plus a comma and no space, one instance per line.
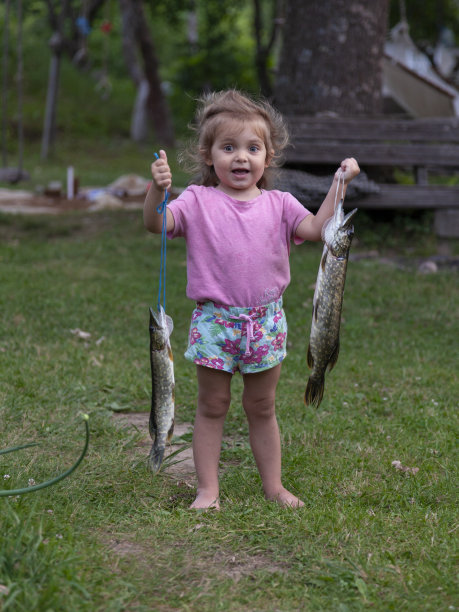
(265,39)
(138,42)
(57,15)
(6,26)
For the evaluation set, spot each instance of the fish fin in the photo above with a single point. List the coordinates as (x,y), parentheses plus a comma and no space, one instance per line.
(334,356)
(314,391)
(323,261)
(315,308)
(310,358)
(171,431)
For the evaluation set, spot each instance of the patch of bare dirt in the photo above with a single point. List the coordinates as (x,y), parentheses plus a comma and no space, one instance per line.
(237,565)
(126,193)
(233,565)
(182,464)
(123,547)
(26,203)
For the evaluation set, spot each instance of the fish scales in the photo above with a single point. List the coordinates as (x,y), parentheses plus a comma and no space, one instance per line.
(161,423)
(323,347)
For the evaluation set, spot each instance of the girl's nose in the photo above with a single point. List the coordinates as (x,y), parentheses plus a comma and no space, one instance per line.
(241,155)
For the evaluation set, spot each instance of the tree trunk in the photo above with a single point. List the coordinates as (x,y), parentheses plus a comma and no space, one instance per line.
(57,16)
(331,57)
(49,126)
(139,119)
(136,33)
(5,83)
(263,50)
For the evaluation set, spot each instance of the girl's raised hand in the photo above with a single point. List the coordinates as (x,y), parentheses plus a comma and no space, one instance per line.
(161,173)
(349,169)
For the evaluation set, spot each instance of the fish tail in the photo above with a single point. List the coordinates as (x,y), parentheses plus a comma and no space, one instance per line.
(314,391)
(155,458)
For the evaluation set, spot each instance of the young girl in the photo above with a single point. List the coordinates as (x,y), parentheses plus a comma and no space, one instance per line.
(238,242)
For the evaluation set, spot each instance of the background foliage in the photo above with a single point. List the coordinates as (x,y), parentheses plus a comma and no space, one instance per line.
(222,56)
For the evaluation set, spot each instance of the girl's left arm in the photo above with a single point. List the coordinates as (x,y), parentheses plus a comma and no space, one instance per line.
(311,226)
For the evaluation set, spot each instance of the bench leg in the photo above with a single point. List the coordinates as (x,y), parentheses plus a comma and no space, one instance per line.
(446,223)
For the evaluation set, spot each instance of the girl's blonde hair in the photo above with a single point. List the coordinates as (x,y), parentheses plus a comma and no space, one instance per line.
(213,111)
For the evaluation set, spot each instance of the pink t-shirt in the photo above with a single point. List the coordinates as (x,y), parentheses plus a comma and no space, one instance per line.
(237,252)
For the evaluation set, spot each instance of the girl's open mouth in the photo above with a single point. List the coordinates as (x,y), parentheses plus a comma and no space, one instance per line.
(240,171)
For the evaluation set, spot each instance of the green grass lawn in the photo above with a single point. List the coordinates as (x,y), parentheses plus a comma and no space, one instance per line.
(113,537)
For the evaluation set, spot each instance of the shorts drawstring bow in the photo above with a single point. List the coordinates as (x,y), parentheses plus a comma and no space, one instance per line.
(248,320)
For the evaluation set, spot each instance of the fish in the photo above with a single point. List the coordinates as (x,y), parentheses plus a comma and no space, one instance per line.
(162,414)
(323,349)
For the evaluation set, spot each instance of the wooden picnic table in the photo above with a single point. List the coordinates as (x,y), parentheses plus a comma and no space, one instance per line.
(425,147)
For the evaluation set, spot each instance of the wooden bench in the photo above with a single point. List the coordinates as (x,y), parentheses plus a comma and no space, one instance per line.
(423,146)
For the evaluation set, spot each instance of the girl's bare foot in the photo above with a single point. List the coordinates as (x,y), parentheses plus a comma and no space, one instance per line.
(286,499)
(206,501)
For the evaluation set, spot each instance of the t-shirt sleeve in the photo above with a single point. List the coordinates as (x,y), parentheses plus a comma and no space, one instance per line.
(180,209)
(295,212)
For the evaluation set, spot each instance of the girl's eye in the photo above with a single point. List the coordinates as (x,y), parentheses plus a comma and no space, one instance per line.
(253,149)
(228,148)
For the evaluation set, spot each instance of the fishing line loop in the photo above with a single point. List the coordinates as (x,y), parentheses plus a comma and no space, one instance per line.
(340,181)
(162,210)
(340,177)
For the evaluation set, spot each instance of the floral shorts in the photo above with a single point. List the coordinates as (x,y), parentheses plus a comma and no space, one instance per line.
(233,338)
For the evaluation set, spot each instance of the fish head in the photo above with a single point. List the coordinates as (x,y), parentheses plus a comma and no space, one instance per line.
(340,240)
(161,327)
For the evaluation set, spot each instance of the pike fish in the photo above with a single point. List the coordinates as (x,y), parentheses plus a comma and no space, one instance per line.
(162,386)
(323,346)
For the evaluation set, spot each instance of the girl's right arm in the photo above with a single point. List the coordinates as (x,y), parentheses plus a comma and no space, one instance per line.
(162,181)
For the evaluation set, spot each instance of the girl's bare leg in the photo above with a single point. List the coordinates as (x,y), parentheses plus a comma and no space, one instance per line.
(214,396)
(258,400)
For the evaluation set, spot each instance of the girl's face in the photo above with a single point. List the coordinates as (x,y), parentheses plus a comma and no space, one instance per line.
(239,157)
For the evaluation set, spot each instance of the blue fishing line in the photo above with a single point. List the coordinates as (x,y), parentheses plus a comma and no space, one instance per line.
(162,209)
